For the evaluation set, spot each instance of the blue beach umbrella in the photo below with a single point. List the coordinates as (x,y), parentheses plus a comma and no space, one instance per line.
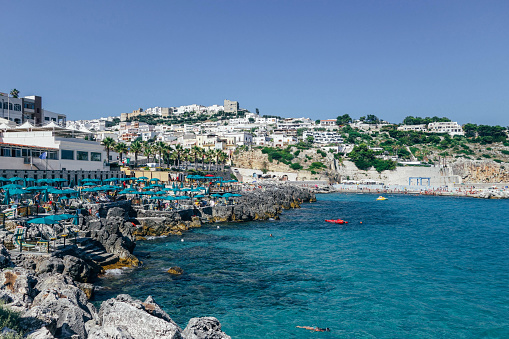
(17,191)
(43,221)
(14,179)
(7,198)
(3,179)
(11,186)
(58,217)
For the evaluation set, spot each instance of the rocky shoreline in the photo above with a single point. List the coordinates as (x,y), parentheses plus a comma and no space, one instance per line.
(50,292)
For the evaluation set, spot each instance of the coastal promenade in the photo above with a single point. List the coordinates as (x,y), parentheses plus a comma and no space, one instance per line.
(483,191)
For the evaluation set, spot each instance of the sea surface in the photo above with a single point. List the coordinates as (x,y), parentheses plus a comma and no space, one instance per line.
(407,267)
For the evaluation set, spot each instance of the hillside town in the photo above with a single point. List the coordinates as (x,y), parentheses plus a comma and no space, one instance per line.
(197,137)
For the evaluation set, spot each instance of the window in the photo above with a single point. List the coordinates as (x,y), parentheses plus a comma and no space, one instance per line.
(82,156)
(46,118)
(67,154)
(17,107)
(6,152)
(95,156)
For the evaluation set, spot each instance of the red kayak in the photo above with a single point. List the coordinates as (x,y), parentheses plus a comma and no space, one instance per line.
(337,221)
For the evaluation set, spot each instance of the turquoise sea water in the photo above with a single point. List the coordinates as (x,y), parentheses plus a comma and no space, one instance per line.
(417,267)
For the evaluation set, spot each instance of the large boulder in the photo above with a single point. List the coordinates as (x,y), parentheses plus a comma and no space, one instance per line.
(17,287)
(125,317)
(5,258)
(204,328)
(62,307)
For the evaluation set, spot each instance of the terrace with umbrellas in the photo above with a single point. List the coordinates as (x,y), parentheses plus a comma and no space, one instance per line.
(43,214)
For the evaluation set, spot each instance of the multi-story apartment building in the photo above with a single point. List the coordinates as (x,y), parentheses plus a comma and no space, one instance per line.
(323,137)
(28,108)
(450,127)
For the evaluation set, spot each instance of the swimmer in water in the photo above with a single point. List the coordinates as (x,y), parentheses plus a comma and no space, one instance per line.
(315,329)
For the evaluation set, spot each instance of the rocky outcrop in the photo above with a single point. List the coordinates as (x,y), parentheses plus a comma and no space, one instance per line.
(54,306)
(125,317)
(70,261)
(62,307)
(204,328)
(260,204)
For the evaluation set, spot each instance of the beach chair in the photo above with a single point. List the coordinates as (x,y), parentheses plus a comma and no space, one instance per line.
(19,239)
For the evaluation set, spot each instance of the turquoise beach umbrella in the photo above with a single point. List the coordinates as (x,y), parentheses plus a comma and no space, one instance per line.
(17,191)
(7,198)
(43,221)
(11,186)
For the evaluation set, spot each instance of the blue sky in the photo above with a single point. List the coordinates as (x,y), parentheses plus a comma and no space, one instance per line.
(314,58)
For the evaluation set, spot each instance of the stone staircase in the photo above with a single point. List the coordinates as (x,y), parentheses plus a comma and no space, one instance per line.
(96,252)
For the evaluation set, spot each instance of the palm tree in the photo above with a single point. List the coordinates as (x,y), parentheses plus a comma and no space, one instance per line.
(108,143)
(195,152)
(169,154)
(210,155)
(136,147)
(147,150)
(14,93)
(178,151)
(187,157)
(222,158)
(121,148)
(218,153)
(159,148)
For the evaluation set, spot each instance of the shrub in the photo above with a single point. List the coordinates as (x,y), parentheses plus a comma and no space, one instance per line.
(296,153)
(497,160)
(296,166)
(322,153)
(505,152)
(10,319)
(486,156)
(316,166)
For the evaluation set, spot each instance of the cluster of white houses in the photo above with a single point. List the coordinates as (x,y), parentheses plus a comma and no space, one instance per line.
(34,138)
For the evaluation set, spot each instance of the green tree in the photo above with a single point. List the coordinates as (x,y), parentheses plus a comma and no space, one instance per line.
(135,148)
(343,119)
(147,150)
(108,144)
(121,148)
(179,150)
(159,147)
(362,156)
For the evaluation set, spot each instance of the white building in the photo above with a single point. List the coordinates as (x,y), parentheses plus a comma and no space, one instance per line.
(417,128)
(323,137)
(453,128)
(65,149)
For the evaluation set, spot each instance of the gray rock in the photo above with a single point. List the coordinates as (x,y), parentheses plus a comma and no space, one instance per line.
(50,265)
(124,317)
(59,299)
(18,285)
(204,328)
(7,331)
(5,257)
(41,333)
(116,212)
